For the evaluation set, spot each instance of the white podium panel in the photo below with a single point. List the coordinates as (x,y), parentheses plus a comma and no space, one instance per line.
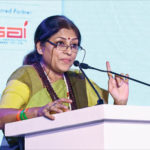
(97,127)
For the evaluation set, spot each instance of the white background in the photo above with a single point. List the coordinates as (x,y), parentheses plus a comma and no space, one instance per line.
(117,31)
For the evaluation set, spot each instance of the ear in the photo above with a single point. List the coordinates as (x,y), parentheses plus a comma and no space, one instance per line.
(39,48)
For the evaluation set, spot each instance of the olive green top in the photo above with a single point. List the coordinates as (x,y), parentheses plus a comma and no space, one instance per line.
(25,89)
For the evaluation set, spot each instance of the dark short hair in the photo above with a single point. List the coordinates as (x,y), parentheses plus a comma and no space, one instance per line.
(47,28)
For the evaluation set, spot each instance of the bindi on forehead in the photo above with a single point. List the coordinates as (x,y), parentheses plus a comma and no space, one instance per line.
(71,38)
(67,38)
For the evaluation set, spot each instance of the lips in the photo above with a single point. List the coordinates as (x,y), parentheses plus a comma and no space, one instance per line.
(66,61)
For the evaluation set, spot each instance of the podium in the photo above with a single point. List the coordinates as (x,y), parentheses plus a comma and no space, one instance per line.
(97,127)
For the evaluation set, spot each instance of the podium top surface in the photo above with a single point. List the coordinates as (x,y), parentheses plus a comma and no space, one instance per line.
(99,113)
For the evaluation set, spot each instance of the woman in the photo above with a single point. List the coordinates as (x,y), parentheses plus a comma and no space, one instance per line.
(44,85)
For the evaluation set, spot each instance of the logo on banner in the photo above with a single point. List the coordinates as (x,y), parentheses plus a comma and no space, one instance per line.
(13,32)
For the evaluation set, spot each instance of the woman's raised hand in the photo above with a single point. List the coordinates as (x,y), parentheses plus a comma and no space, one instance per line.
(54,107)
(118,87)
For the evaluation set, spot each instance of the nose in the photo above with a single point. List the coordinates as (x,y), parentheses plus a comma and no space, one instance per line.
(68,50)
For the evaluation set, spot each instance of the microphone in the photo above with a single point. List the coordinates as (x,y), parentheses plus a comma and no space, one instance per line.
(86,66)
(100,100)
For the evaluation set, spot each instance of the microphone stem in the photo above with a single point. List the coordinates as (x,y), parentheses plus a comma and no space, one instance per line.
(100,100)
(121,76)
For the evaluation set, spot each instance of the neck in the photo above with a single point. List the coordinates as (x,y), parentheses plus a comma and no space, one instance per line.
(52,75)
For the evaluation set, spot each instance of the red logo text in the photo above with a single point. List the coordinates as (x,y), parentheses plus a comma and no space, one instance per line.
(13,32)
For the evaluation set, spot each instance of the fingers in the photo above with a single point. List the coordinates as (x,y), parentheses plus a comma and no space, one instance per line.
(108,69)
(120,80)
(60,104)
(57,107)
(64,100)
(126,79)
(48,115)
(54,107)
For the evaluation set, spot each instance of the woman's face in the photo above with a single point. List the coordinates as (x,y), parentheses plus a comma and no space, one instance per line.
(55,59)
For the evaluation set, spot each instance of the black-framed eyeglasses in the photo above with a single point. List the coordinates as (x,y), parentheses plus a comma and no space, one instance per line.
(63,47)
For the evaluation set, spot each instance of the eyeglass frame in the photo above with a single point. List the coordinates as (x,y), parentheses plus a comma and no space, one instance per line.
(65,46)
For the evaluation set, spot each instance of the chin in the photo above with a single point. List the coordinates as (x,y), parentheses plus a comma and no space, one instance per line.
(65,68)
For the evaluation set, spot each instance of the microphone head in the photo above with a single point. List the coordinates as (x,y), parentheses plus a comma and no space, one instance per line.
(84,66)
(76,63)
(81,65)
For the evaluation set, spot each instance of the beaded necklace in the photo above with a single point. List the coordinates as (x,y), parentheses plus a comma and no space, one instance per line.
(68,96)
(47,84)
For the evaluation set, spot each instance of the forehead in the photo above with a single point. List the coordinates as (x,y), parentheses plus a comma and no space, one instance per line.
(65,33)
